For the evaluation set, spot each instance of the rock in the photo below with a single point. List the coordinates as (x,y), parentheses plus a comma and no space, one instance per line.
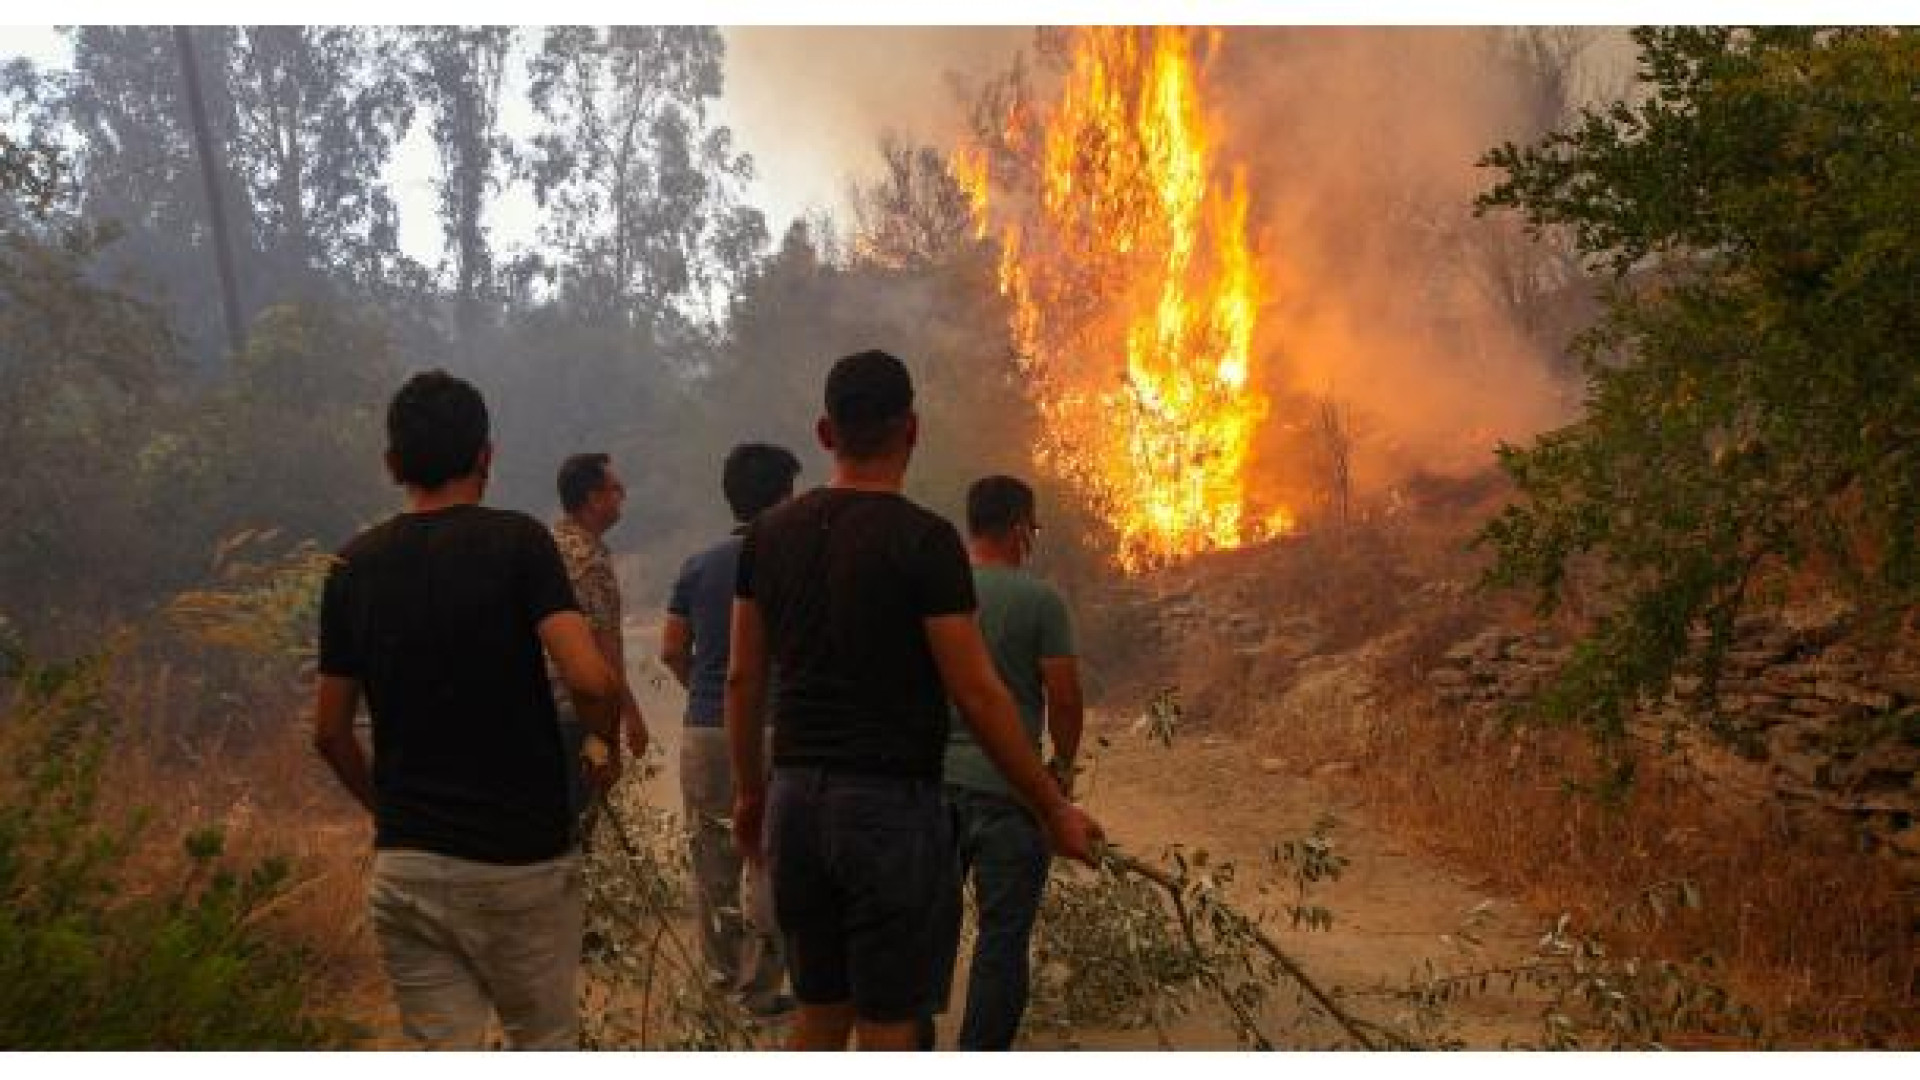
(1832,690)
(1905,684)
(1333,769)
(1807,768)
(1841,654)
(1870,699)
(1271,765)
(1906,841)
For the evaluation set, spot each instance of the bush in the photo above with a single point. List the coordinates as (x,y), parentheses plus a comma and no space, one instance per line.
(96,953)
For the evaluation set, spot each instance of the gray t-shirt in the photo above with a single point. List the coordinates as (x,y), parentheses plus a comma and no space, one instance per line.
(1024,622)
(703,595)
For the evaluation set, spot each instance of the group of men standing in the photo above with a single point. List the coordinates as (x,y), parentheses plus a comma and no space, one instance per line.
(906,677)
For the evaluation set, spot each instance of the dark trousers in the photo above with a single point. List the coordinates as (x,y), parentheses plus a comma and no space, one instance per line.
(1002,850)
(859,865)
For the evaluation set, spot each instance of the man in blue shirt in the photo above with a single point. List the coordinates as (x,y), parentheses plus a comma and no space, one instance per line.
(741,952)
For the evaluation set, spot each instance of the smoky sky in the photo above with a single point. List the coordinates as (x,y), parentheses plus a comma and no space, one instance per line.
(811,103)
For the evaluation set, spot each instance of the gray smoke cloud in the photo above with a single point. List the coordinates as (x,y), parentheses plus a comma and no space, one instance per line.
(811,102)
(1440,333)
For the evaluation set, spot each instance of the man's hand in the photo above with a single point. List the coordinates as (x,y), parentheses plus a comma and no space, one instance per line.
(1072,832)
(749,816)
(339,701)
(600,763)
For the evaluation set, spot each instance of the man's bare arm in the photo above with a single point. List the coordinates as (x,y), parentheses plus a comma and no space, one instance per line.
(584,669)
(338,700)
(745,701)
(676,649)
(1066,708)
(989,710)
(614,648)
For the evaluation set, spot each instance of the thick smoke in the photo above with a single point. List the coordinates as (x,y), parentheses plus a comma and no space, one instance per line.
(812,102)
(1439,333)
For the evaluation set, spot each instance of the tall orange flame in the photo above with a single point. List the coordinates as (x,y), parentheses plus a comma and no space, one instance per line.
(1135,296)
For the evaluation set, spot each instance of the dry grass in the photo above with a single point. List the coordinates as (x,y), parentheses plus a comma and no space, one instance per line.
(1816,936)
(207,746)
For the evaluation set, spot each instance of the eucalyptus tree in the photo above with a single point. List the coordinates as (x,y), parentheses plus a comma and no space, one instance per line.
(641,186)
(301,121)
(458,71)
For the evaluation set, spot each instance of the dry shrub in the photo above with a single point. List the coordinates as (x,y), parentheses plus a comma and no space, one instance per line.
(1815,935)
(196,755)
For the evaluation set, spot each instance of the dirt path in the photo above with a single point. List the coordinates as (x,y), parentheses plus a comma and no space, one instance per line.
(1391,906)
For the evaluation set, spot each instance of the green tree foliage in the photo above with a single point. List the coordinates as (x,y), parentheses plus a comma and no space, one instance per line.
(292,441)
(303,121)
(92,956)
(30,170)
(457,70)
(81,366)
(121,483)
(318,110)
(1753,411)
(642,188)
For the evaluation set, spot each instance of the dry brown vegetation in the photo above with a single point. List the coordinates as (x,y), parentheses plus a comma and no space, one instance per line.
(1817,936)
(211,742)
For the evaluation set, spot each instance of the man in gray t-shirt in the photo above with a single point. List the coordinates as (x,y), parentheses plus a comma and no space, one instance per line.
(1000,846)
(741,952)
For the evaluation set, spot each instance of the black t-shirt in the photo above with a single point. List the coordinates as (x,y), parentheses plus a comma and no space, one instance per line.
(843,579)
(436,615)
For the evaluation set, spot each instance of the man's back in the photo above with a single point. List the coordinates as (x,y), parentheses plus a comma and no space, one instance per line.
(1023,621)
(844,579)
(703,595)
(436,614)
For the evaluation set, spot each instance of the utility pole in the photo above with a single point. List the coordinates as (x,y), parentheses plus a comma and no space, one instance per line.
(210,174)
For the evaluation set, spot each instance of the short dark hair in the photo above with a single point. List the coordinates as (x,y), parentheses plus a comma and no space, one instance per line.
(436,428)
(869,394)
(756,476)
(580,476)
(995,504)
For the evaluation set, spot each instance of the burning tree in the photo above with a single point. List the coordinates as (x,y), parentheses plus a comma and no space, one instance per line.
(1124,252)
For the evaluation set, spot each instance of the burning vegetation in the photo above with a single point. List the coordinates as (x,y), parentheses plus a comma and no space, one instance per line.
(1135,292)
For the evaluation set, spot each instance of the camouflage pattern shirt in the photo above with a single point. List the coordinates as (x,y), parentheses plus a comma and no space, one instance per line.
(590,570)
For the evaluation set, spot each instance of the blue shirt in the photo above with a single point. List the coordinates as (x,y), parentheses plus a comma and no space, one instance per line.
(703,595)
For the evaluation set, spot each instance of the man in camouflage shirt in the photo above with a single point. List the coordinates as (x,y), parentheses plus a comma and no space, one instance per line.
(591,497)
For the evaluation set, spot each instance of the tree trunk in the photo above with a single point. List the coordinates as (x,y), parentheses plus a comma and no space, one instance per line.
(210,175)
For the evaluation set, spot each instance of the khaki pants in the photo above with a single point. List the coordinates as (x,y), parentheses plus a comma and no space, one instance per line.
(463,940)
(738,937)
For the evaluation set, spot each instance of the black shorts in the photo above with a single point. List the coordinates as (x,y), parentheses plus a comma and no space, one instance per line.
(858,864)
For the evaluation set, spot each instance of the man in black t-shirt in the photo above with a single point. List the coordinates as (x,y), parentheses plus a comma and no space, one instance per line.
(438,617)
(864,602)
